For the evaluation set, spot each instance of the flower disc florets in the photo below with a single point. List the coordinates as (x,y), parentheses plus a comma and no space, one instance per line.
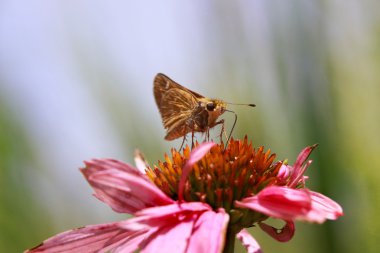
(221,176)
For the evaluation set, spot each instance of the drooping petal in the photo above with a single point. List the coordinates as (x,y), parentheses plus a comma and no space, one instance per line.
(282,235)
(298,175)
(323,208)
(130,244)
(125,241)
(180,228)
(165,232)
(107,164)
(210,225)
(155,216)
(170,237)
(248,242)
(279,202)
(122,187)
(86,239)
(298,167)
(195,155)
(303,155)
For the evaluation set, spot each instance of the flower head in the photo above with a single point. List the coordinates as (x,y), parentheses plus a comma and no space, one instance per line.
(220,177)
(209,192)
(248,185)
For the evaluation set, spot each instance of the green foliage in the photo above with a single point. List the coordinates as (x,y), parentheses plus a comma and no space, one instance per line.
(22,221)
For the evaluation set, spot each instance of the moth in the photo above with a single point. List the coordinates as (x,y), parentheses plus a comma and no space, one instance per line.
(184,111)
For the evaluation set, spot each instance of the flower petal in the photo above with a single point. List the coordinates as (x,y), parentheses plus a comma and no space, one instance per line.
(180,228)
(171,237)
(210,225)
(130,244)
(298,170)
(195,155)
(155,216)
(323,208)
(284,172)
(282,235)
(125,241)
(122,187)
(86,239)
(106,164)
(279,202)
(141,163)
(248,242)
(303,155)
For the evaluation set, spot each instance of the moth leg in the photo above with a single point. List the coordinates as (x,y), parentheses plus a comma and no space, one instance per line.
(221,122)
(222,130)
(207,135)
(192,139)
(183,142)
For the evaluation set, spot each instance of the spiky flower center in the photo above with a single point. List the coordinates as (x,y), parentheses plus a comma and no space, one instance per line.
(221,176)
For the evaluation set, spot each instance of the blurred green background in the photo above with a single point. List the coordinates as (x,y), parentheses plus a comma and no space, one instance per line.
(76,83)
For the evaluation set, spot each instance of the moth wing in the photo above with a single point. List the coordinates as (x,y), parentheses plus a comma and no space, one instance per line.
(178,129)
(176,104)
(163,83)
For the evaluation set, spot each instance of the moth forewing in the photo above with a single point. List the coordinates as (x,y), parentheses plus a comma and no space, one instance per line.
(163,84)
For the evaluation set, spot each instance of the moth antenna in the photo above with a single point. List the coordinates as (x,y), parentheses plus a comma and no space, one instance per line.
(232,129)
(251,105)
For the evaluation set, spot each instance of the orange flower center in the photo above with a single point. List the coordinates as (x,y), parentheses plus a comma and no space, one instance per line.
(221,176)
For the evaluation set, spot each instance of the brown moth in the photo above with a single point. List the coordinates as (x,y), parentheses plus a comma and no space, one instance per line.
(184,111)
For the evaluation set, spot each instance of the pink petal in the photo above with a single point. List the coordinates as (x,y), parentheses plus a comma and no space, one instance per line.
(122,187)
(298,169)
(248,242)
(125,241)
(279,202)
(195,155)
(87,239)
(130,244)
(171,228)
(323,208)
(298,175)
(174,208)
(171,237)
(180,228)
(154,216)
(302,157)
(210,225)
(107,164)
(282,235)
(284,172)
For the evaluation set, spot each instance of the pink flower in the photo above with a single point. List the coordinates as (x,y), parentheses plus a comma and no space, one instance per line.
(160,223)
(288,202)
(198,201)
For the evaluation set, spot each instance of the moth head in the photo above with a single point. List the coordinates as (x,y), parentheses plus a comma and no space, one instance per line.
(210,106)
(216,106)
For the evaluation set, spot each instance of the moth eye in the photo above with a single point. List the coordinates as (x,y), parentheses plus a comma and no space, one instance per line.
(210,106)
